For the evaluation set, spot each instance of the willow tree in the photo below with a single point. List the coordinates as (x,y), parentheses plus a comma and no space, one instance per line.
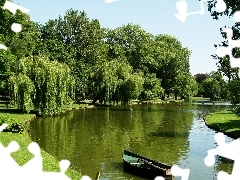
(115,81)
(131,88)
(46,85)
(22,91)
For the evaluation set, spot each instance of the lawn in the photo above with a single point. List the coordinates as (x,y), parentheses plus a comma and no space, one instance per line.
(22,156)
(200,98)
(226,122)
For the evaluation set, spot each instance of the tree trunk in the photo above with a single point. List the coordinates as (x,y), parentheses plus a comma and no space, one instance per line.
(163,97)
(175,96)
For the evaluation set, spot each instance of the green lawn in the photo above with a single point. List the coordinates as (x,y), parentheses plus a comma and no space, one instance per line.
(226,122)
(50,164)
(199,98)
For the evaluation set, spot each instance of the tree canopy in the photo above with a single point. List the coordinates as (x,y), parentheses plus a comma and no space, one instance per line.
(41,84)
(48,65)
(223,63)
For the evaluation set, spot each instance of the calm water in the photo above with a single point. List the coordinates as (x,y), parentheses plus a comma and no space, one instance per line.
(93,139)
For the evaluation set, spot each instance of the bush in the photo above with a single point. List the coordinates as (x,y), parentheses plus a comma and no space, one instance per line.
(14,125)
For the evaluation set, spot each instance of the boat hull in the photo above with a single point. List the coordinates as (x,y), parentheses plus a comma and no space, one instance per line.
(146,171)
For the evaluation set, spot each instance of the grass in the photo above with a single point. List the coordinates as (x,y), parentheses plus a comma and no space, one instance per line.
(21,117)
(76,106)
(160,101)
(50,164)
(226,122)
(200,98)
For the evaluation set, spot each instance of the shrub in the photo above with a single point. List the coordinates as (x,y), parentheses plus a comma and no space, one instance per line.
(14,125)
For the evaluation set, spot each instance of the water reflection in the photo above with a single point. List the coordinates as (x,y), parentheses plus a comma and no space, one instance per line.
(93,139)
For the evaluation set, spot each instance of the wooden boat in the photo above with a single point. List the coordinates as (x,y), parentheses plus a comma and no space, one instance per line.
(144,167)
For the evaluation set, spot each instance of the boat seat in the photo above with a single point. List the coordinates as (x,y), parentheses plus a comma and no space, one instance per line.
(133,161)
(136,163)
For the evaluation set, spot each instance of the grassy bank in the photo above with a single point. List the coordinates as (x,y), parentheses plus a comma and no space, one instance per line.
(153,101)
(226,122)
(199,98)
(50,164)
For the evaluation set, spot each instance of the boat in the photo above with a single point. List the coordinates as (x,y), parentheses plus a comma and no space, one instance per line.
(144,167)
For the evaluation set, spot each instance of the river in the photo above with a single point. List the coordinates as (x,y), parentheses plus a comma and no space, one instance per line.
(93,139)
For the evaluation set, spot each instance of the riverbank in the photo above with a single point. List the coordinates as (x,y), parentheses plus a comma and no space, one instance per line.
(156,101)
(226,122)
(50,164)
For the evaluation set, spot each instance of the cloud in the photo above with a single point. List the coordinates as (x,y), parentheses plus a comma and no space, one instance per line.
(110,1)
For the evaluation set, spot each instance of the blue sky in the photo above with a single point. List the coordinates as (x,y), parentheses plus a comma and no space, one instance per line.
(198,33)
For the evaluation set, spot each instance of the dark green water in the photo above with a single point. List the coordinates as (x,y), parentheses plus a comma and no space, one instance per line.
(93,139)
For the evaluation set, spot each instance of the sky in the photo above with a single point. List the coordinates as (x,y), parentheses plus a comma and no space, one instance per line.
(198,33)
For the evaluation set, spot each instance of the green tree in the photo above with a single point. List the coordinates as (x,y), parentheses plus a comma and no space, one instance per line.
(232,86)
(77,41)
(107,79)
(172,62)
(231,7)
(7,60)
(186,86)
(224,94)
(211,88)
(200,78)
(234,91)
(22,90)
(151,87)
(131,88)
(115,81)
(133,43)
(45,85)
(22,44)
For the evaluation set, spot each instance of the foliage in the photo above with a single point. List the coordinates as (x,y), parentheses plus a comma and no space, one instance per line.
(43,84)
(7,61)
(211,88)
(109,65)
(224,89)
(77,41)
(224,67)
(151,87)
(85,47)
(114,81)
(22,91)
(131,88)
(24,43)
(134,43)
(200,77)
(237,111)
(14,125)
(172,62)
(188,87)
(234,89)
(19,44)
(232,7)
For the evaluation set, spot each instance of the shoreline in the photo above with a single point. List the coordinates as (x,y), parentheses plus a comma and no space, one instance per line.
(219,130)
(134,102)
(22,156)
(220,126)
